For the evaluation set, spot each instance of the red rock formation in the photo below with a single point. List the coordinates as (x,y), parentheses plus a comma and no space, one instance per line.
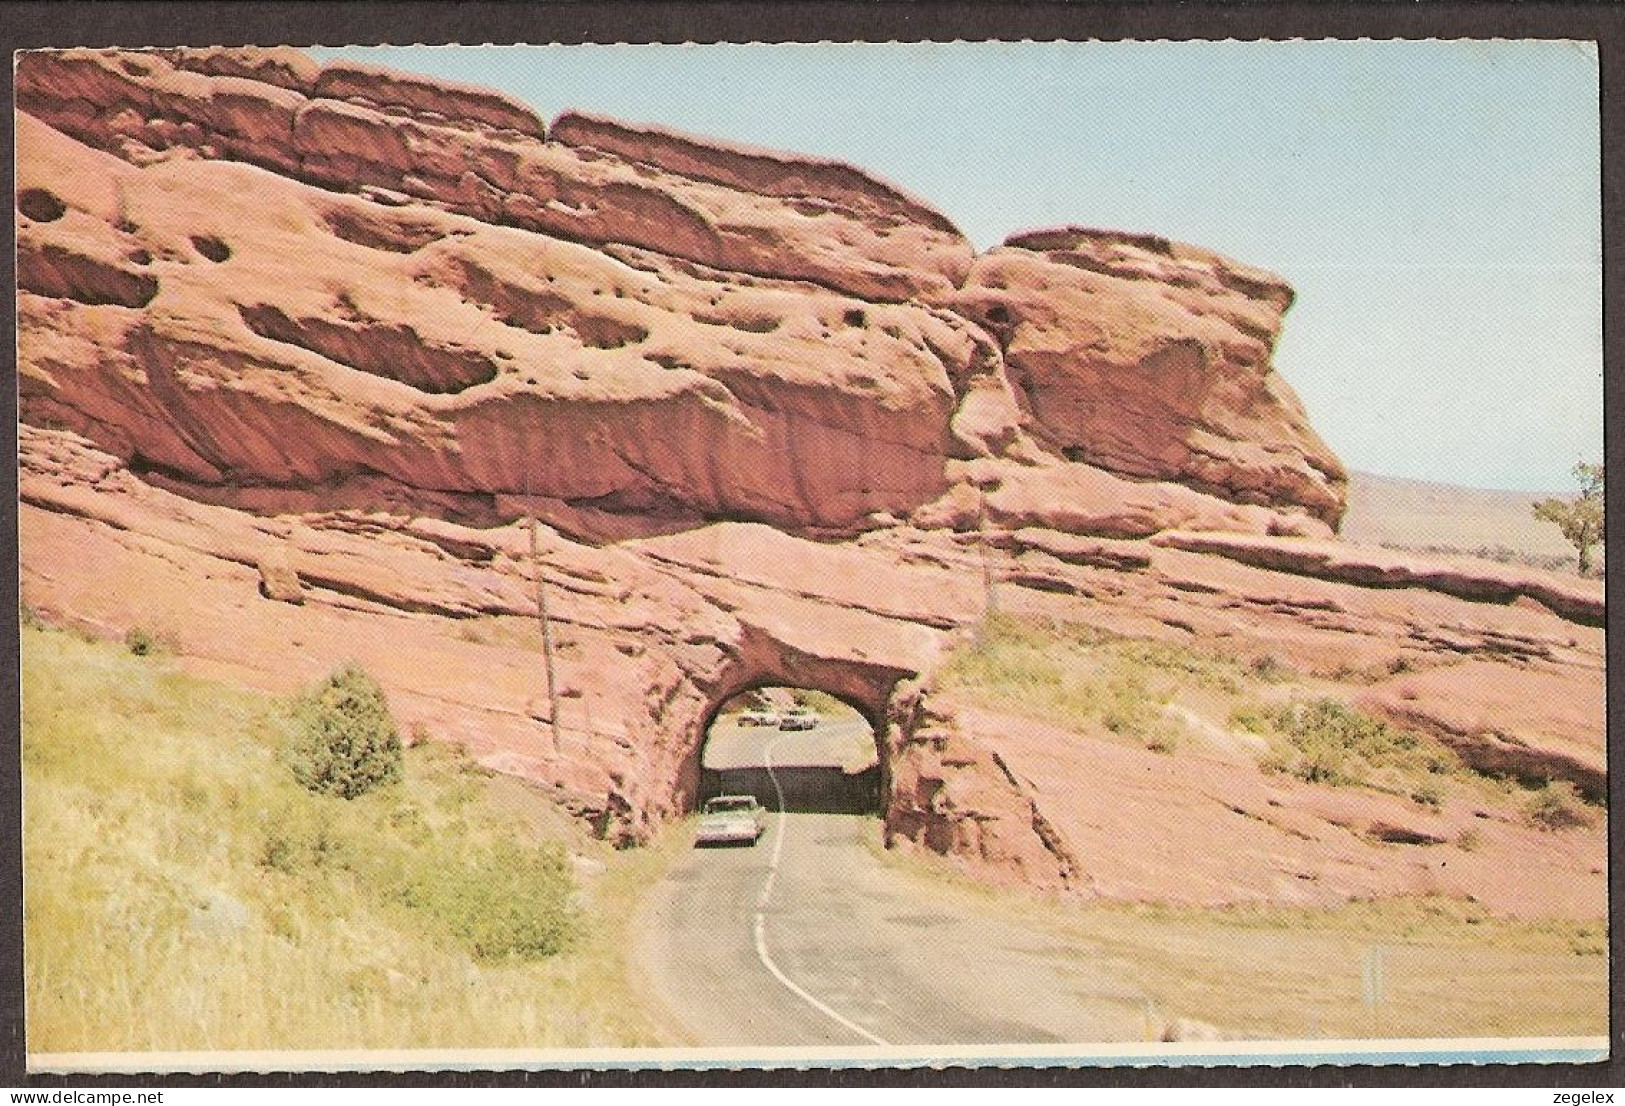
(655,633)
(1466,577)
(457,359)
(432,100)
(1520,722)
(478,153)
(1151,359)
(731,216)
(298,346)
(1081,499)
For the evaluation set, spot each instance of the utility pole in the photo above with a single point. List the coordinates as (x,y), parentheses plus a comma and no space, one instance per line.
(547,633)
(990,601)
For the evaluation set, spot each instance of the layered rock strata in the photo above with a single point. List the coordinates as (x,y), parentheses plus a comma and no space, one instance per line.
(300,347)
(835,337)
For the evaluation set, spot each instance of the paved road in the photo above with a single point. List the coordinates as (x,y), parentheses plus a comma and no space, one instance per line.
(847,742)
(810,938)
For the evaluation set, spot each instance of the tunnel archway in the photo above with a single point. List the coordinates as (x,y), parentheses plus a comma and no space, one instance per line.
(798,748)
(789,655)
(937,787)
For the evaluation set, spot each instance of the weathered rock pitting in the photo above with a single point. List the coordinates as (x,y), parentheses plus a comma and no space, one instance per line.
(848,266)
(300,346)
(1151,359)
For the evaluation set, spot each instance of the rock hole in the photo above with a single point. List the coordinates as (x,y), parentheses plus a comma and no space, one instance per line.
(379,232)
(602,333)
(854,317)
(40,205)
(211,247)
(393,351)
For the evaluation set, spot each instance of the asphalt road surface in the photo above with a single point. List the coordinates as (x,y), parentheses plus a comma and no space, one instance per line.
(811,938)
(846,742)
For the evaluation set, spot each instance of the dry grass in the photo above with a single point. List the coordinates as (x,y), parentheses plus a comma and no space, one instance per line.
(1428,518)
(1071,677)
(1449,972)
(1281,973)
(183,893)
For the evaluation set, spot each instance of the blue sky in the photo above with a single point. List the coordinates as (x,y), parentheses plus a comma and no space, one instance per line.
(1435,204)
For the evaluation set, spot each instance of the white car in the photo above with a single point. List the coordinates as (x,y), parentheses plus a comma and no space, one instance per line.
(731,820)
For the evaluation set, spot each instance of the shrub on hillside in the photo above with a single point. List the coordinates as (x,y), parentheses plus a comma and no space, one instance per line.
(345,743)
(507,902)
(142,642)
(1558,806)
(1327,741)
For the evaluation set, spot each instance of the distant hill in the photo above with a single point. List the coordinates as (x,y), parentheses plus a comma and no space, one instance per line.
(1417,514)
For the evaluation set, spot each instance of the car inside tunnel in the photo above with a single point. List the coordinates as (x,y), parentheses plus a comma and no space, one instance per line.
(804,748)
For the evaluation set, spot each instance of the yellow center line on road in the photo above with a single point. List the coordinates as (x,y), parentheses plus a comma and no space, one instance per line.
(761,918)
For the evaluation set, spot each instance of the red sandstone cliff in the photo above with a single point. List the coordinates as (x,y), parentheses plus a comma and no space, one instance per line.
(289,332)
(517,283)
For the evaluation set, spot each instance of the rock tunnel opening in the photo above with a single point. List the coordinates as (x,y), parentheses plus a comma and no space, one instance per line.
(807,749)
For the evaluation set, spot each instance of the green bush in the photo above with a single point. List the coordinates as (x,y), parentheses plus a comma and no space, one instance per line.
(1127,706)
(1268,669)
(1427,795)
(1558,806)
(507,902)
(346,743)
(142,642)
(1322,764)
(1329,742)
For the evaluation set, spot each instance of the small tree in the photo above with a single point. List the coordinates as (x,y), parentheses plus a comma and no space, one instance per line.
(346,743)
(1580,518)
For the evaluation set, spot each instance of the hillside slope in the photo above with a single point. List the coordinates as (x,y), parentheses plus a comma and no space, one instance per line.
(1417,514)
(174,867)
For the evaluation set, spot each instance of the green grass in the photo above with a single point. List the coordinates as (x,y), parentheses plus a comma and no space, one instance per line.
(1558,805)
(1327,741)
(1078,679)
(183,892)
